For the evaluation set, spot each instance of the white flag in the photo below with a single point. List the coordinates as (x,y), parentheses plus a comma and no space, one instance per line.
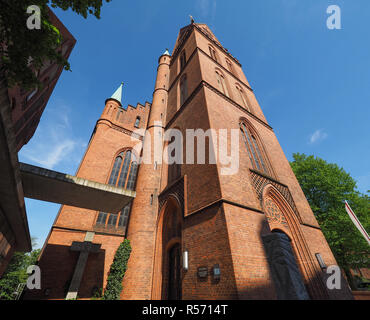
(357,222)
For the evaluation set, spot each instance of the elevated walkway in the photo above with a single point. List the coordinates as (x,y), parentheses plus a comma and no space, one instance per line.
(48,185)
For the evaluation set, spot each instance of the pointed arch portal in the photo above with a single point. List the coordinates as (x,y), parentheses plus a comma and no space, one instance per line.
(167,264)
(292,266)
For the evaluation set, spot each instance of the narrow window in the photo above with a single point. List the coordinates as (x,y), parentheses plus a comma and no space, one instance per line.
(137,122)
(112,220)
(118,114)
(132,176)
(174,169)
(212,51)
(183,90)
(222,83)
(123,217)
(253,149)
(230,66)
(243,98)
(115,171)
(124,170)
(102,218)
(259,154)
(182,60)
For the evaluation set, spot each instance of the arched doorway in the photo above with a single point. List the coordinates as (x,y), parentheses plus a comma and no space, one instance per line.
(283,220)
(167,276)
(284,268)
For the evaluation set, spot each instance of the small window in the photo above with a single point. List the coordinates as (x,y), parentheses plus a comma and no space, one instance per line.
(137,122)
(230,66)
(102,218)
(174,169)
(222,83)
(183,90)
(243,98)
(123,219)
(118,115)
(182,60)
(212,51)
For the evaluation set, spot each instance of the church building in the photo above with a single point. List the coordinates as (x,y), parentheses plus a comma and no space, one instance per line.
(196,233)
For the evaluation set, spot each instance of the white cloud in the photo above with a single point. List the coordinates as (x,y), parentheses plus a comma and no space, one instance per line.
(53,156)
(317,136)
(207,8)
(54,143)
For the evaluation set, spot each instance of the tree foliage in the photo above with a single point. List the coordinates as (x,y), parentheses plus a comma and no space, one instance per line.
(24,51)
(117,271)
(326,187)
(16,273)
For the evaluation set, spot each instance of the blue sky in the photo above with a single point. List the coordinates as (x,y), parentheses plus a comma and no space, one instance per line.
(312,83)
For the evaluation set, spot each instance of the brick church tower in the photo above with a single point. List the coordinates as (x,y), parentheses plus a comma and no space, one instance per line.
(195,232)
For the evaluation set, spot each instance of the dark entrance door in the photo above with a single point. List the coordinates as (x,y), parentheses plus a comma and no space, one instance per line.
(283,266)
(174,274)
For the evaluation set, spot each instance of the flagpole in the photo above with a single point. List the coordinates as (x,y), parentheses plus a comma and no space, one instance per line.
(357,222)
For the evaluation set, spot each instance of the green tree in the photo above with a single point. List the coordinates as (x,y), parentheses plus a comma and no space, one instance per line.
(24,51)
(326,187)
(117,271)
(16,272)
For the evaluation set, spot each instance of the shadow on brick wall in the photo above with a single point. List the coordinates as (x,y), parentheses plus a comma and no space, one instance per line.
(57,270)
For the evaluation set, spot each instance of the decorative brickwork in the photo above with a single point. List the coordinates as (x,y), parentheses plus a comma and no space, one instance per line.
(175,190)
(260,181)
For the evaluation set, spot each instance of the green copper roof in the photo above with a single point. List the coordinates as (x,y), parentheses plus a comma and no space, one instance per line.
(118,94)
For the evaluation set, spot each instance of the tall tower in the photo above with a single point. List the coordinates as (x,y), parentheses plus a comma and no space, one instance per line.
(210,233)
(232,225)
(142,230)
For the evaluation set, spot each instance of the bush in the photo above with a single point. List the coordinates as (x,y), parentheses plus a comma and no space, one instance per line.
(117,271)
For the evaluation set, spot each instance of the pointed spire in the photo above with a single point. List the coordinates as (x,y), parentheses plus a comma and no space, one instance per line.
(166,52)
(118,94)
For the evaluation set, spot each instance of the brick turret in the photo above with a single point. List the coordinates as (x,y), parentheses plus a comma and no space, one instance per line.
(142,226)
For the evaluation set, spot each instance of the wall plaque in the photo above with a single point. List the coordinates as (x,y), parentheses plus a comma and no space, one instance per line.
(202,272)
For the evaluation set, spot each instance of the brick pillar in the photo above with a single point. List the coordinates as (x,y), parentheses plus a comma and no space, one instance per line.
(137,283)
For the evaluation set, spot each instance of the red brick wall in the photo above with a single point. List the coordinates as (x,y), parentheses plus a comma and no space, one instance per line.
(26,113)
(207,240)
(57,262)
(222,216)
